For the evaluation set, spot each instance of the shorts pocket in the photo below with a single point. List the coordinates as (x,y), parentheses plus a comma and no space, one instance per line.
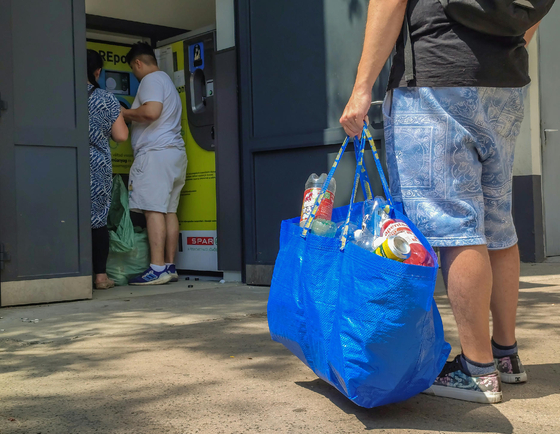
(509,122)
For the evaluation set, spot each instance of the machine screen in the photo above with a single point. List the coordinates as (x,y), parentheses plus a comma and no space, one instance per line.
(117,82)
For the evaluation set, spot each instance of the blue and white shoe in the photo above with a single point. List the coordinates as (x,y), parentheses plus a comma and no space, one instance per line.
(172,271)
(151,277)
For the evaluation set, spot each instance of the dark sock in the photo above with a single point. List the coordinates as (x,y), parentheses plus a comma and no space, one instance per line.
(503,351)
(475,368)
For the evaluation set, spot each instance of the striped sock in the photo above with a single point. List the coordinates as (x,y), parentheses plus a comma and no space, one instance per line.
(503,351)
(475,368)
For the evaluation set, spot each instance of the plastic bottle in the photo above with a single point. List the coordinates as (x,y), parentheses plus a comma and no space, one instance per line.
(369,231)
(313,188)
(419,255)
(365,239)
(352,230)
(324,228)
(375,212)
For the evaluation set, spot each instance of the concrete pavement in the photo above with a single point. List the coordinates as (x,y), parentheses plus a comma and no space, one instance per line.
(200,360)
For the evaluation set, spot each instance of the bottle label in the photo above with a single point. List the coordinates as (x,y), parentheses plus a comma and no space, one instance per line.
(401,229)
(325,209)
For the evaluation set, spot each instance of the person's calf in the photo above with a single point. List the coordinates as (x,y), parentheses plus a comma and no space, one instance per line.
(172,237)
(468,277)
(505,293)
(155,222)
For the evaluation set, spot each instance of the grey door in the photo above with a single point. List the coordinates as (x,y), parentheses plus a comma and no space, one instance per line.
(297,64)
(44,151)
(549,59)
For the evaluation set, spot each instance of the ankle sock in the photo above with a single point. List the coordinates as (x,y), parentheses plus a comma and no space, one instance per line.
(475,368)
(503,351)
(158,268)
(168,264)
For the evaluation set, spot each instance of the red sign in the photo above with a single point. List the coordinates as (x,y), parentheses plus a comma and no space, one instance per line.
(200,241)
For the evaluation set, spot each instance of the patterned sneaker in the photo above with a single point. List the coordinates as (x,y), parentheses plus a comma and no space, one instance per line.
(151,277)
(511,370)
(454,382)
(172,271)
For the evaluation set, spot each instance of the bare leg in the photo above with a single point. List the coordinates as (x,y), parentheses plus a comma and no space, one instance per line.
(155,222)
(505,293)
(468,278)
(172,239)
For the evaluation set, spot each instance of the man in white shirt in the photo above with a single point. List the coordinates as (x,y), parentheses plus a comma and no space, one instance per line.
(158,173)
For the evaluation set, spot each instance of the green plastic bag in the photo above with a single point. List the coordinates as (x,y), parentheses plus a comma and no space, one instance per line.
(129,248)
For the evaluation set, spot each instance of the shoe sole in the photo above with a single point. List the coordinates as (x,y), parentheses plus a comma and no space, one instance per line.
(465,395)
(513,378)
(160,281)
(104,287)
(174,278)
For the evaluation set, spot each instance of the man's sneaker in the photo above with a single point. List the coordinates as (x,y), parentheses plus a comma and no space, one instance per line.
(454,382)
(511,370)
(151,277)
(172,271)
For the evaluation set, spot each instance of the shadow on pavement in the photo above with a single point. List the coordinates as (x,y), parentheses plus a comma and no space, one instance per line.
(421,412)
(544,380)
(440,414)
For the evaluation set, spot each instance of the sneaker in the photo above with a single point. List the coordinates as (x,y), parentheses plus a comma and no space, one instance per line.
(454,382)
(151,277)
(172,271)
(511,370)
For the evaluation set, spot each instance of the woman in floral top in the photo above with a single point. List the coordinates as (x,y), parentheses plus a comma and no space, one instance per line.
(105,121)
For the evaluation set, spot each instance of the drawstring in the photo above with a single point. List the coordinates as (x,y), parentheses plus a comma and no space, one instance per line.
(408,56)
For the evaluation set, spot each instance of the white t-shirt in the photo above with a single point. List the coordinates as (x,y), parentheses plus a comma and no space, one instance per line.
(165,132)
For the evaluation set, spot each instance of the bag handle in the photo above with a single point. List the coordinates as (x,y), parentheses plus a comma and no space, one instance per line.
(361,174)
(357,177)
(384,182)
(364,178)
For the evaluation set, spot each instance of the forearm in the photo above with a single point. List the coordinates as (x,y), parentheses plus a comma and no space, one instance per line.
(384,25)
(530,33)
(141,115)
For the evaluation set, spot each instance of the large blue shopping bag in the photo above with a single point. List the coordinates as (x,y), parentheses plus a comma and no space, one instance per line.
(367,325)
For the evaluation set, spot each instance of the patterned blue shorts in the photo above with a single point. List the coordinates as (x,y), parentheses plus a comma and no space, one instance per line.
(450,157)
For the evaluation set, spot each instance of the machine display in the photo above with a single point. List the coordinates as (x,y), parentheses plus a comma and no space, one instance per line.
(117,83)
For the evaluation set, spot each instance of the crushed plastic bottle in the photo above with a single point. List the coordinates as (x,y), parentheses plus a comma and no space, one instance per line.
(365,239)
(313,188)
(352,229)
(375,212)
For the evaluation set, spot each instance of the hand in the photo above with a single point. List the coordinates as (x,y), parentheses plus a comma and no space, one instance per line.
(355,113)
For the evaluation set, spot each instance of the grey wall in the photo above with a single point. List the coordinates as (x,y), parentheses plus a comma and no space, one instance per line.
(44,150)
(297,65)
(228,180)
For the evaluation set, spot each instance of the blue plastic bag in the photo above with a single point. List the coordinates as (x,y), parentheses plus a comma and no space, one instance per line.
(367,325)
